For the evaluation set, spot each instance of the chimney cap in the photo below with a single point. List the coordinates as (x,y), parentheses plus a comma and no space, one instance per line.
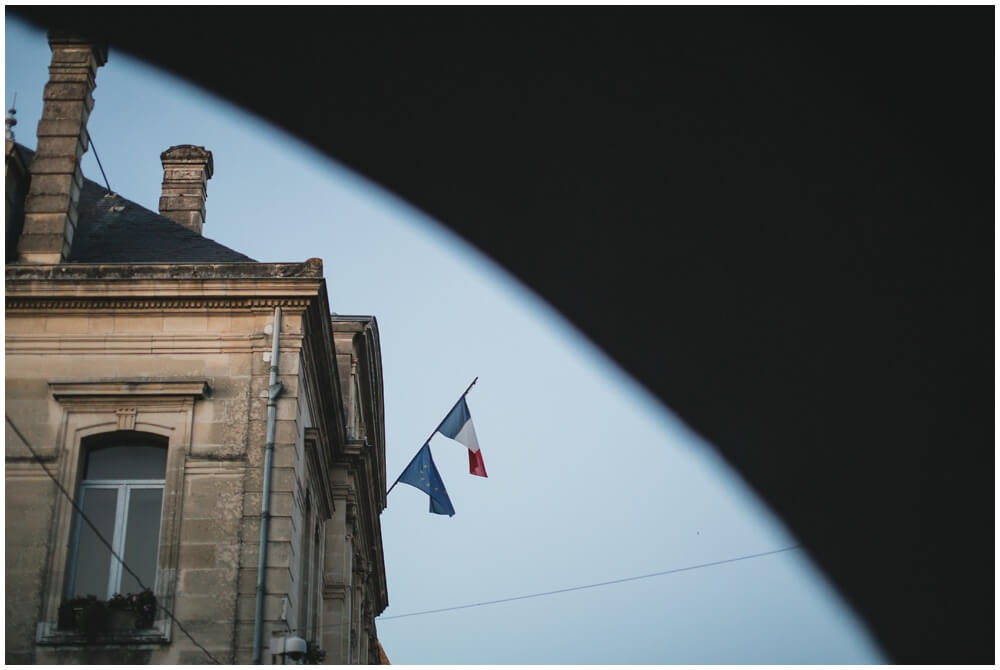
(98,45)
(189,153)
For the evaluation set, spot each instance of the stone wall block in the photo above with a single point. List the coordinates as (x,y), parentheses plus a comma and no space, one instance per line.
(67,323)
(262,364)
(258,408)
(287,409)
(100,324)
(288,362)
(185,323)
(246,323)
(78,55)
(279,551)
(181,203)
(247,582)
(53,184)
(177,174)
(247,607)
(203,582)
(64,145)
(201,607)
(239,367)
(281,529)
(282,481)
(48,223)
(290,382)
(279,554)
(277,580)
(207,530)
(49,204)
(51,164)
(41,243)
(253,483)
(217,644)
(67,90)
(146,324)
(284,447)
(97,655)
(281,503)
(244,642)
(217,498)
(196,556)
(60,128)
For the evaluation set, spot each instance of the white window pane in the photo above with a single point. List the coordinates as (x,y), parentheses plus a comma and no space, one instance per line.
(142,538)
(93,560)
(131,462)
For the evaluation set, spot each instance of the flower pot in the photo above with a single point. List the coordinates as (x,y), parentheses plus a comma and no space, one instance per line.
(121,620)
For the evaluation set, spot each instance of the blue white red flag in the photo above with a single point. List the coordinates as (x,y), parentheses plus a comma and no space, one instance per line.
(458,426)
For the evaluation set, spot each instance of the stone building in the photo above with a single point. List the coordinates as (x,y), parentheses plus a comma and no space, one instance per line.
(141,370)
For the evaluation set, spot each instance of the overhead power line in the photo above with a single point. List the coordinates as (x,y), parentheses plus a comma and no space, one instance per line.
(104,541)
(94,147)
(592,586)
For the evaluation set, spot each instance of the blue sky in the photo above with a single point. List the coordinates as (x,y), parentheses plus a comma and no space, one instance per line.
(591,479)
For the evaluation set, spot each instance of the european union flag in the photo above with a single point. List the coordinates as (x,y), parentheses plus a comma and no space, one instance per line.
(422,473)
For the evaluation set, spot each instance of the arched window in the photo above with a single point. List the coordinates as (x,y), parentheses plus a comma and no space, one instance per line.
(121,492)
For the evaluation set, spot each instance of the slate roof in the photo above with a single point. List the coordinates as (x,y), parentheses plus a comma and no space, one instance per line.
(112,229)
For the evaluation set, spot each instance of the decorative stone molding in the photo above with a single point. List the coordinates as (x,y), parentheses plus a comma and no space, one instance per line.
(354,449)
(126,418)
(63,390)
(15,304)
(162,407)
(352,518)
(339,591)
(318,465)
(310,269)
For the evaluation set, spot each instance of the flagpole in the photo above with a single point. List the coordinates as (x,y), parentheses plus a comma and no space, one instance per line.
(434,431)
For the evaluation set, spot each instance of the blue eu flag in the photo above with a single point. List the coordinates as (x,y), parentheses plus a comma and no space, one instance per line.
(422,474)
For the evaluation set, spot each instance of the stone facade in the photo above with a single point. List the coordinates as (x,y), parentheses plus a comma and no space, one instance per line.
(179,356)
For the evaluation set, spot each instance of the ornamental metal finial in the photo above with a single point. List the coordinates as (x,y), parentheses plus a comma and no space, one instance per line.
(10,121)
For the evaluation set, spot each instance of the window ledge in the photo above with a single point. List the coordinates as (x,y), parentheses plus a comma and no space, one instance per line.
(49,635)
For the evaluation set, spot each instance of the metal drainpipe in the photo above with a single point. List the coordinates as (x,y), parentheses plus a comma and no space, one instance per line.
(273,391)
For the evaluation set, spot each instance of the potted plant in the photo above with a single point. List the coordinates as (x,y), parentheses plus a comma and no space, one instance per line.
(144,608)
(86,614)
(93,617)
(120,614)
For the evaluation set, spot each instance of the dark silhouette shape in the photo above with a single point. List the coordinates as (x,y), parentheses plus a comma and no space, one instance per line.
(780,221)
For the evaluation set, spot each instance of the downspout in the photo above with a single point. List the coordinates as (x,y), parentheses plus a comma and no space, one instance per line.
(273,391)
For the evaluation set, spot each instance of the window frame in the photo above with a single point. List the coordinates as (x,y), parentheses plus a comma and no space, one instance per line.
(123,488)
(94,409)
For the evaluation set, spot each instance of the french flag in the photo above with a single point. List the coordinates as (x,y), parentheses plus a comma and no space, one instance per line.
(458,426)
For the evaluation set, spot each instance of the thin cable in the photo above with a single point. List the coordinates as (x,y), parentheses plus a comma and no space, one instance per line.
(94,147)
(101,538)
(591,586)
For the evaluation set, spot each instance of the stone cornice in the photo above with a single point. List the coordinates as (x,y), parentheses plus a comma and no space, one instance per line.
(121,387)
(36,303)
(163,287)
(310,269)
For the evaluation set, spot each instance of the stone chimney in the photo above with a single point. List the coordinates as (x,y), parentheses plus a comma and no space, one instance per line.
(186,171)
(50,209)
